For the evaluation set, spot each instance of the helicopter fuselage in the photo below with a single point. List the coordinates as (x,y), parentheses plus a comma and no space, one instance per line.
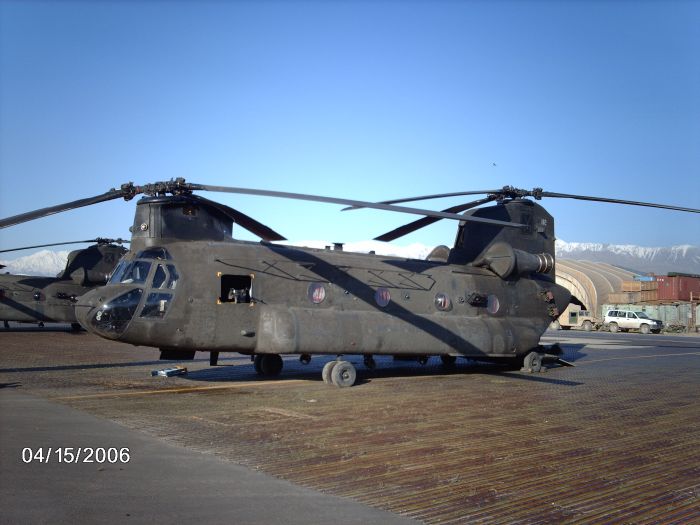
(262,298)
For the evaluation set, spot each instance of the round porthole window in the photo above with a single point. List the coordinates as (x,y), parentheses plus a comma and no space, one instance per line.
(317,293)
(492,304)
(443,302)
(382,297)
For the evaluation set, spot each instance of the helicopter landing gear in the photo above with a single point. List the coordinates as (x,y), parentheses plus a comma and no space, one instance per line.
(326,372)
(268,365)
(304,359)
(448,361)
(343,374)
(369,362)
(75,327)
(213,358)
(532,362)
(339,373)
(423,360)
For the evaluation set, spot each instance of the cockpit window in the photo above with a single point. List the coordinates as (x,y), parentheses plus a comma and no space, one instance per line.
(165,277)
(154,253)
(114,316)
(156,305)
(160,277)
(174,276)
(129,272)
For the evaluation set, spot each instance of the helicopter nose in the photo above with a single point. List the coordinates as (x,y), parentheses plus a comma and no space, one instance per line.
(84,308)
(107,313)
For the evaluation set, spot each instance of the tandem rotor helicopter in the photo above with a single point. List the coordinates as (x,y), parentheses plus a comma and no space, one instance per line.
(186,285)
(32,299)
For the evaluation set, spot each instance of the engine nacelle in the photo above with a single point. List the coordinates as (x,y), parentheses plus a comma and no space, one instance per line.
(502,259)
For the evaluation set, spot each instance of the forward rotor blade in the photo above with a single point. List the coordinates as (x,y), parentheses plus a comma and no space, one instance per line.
(99,240)
(618,201)
(350,202)
(426,221)
(264,232)
(43,212)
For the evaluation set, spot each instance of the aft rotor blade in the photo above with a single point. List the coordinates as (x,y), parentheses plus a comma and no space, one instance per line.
(426,221)
(43,212)
(428,197)
(264,232)
(350,202)
(618,201)
(99,240)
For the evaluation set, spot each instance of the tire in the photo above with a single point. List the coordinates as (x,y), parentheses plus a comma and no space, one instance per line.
(644,329)
(448,361)
(271,365)
(587,326)
(343,374)
(327,370)
(532,362)
(613,327)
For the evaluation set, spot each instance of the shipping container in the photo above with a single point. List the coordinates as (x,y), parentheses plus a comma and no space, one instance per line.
(677,287)
(638,286)
(624,297)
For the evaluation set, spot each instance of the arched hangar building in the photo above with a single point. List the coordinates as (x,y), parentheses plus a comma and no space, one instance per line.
(600,286)
(591,283)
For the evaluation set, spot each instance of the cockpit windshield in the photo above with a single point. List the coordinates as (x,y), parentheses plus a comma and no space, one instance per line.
(156,277)
(131,272)
(136,271)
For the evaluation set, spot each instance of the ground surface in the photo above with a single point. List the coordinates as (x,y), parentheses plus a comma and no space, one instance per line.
(614,439)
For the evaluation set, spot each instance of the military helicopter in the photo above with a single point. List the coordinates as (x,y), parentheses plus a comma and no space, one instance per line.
(32,299)
(186,285)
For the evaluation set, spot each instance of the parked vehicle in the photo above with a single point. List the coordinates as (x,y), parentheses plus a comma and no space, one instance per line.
(616,320)
(578,319)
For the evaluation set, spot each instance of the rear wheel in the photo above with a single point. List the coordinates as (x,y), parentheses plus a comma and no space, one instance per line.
(326,372)
(532,362)
(343,374)
(613,327)
(587,326)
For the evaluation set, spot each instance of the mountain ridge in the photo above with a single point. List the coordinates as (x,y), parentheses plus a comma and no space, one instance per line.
(683,258)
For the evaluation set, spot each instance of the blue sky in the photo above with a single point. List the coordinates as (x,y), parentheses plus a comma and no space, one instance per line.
(364,100)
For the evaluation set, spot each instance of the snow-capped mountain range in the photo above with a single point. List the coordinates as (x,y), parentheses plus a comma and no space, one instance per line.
(45,262)
(640,259)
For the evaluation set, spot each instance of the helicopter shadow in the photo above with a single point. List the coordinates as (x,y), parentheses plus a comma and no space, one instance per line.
(45,328)
(572,352)
(386,369)
(87,366)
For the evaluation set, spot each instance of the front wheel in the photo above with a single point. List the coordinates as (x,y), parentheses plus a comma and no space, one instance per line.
(644,329)
(587,326)
(268,365)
